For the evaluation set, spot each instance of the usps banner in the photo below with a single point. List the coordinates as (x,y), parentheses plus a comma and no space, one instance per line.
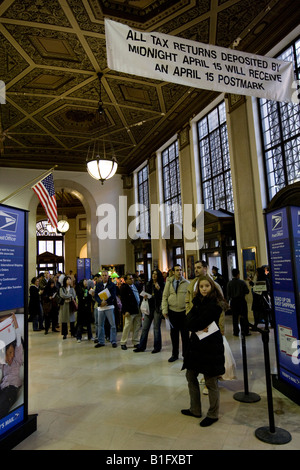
(12,258)
(283,229)
(178,60)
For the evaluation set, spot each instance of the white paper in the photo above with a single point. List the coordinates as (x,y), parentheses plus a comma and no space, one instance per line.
(104,294)
(168,324)
(7,331)
(212,328)
(145,295)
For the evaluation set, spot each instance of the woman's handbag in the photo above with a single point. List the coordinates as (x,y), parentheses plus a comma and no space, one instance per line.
(59,299)
(230,365)
(47,307)
(73,306)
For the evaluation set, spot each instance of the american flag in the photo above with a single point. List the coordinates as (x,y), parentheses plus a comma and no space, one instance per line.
(44,189)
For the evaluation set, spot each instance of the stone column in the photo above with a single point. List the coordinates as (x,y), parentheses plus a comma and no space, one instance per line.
(188,196)
(128,191)
(158,244)
(248,209)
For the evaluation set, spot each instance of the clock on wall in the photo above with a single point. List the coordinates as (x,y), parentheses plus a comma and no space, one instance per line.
(63,226)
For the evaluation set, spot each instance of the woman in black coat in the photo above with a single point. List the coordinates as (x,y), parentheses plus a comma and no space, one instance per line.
(35,306)
(84,313)
(261,305)
(204,355)
(50,306)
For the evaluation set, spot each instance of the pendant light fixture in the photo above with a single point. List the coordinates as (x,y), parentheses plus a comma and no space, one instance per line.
(100,165)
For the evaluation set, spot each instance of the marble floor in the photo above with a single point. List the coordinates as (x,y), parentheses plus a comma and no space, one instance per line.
(111,399)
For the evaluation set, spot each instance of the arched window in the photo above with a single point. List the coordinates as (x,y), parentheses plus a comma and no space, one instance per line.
(215,160)
(171,184)
(172,202)
(50,248)
(280,128)
(143,199)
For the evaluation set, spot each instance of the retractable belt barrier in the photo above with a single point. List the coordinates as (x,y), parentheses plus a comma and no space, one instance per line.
(270,434)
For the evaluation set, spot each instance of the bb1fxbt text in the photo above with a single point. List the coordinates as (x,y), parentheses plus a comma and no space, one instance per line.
(169,459)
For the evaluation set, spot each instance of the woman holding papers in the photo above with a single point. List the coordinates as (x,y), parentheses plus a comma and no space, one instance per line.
(84,314)
(205,352)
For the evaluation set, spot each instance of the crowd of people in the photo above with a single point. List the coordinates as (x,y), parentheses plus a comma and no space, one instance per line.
(193,310)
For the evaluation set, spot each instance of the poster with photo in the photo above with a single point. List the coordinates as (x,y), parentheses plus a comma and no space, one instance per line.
(249,262)
(11,370)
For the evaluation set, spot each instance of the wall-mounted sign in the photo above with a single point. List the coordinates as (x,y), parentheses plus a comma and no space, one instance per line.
(283,230)
(83,268)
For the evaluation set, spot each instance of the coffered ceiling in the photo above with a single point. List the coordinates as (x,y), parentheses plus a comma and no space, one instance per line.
(52,50)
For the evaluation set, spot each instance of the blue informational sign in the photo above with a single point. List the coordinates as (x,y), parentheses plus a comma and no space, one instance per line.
(80,269)
(83,268)
(283,230)
(87,262)
(11,258)
(295,218)
(13,262)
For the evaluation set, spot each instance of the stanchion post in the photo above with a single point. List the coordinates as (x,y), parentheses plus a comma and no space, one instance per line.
(246,396)
(270,434)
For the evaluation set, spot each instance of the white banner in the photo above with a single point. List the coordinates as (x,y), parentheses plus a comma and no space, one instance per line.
(178,60)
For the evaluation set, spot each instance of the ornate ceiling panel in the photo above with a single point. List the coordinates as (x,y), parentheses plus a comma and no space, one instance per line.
(52,51)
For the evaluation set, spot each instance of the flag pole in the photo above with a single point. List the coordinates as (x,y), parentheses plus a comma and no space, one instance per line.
(46,173)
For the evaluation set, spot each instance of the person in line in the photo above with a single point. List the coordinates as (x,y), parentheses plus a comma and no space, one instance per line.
(67,293)
(204,356)
(73,279)
(173,308)
(131,300)
(84,313)
(106,309)
(97,278)
(237,289)
(138,282)
(200,269)
(10,372)
(56,282)
(44,279)
(261,305)
(155,288)
(217,277)
(118,307)
(35,307)
(50,306)
(61,277)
